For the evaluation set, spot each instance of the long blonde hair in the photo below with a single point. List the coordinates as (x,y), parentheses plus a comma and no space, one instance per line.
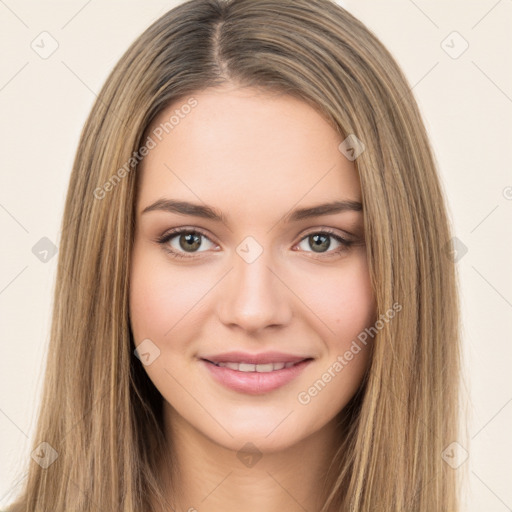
(99,410)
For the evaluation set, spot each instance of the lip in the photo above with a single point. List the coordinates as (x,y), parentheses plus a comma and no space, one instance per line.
(262,358)
(255,383)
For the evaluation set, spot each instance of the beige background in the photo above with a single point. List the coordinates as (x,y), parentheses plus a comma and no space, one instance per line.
(467,106)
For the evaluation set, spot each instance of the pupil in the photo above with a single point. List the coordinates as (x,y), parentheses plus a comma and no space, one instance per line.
(192,241)
(320,241)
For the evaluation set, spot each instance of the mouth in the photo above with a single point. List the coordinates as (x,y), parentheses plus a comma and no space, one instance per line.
(259,368)
(255,378)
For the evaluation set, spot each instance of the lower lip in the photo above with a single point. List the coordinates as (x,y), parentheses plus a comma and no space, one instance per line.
(255,383)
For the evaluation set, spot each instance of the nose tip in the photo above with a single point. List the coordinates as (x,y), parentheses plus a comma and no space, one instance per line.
(253,298)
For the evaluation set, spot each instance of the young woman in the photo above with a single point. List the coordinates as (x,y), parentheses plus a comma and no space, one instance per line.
(255,305)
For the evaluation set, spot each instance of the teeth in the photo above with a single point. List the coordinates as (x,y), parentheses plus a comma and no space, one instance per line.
(260,368)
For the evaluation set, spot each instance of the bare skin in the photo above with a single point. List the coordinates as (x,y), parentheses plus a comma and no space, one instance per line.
(256,158)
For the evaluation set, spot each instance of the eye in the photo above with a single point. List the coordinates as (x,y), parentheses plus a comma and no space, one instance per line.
(185,242)
(320,242)
(178,242)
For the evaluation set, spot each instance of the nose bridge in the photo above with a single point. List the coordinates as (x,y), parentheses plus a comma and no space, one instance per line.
(253,296)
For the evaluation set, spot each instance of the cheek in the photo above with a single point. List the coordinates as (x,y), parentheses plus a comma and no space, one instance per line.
(160,296)
(153,291)
(345,306)
(343,300)
(150,307)
(353,304)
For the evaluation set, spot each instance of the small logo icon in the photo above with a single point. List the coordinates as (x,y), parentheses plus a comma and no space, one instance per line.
(147,352)
(352,147)
(249,455)
(45,45)
(454,455)
(44,250)
(455,249)
(44,454)
(249,249)
(454,45)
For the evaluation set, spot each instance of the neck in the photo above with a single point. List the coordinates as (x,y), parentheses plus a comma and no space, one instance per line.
(208,477)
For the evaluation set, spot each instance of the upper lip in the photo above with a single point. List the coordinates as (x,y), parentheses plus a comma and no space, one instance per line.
(262,358)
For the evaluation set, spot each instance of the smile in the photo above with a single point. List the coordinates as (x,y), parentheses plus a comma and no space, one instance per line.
(248,367)
(255,379)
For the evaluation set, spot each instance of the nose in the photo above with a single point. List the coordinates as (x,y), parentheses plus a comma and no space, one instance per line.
(253,296)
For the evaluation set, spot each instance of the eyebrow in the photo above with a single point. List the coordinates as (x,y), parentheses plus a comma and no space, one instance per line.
(208,212)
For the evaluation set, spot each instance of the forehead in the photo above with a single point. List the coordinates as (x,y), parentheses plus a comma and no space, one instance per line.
(241,149)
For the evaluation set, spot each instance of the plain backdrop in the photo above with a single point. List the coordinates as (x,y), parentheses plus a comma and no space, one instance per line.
(456,56)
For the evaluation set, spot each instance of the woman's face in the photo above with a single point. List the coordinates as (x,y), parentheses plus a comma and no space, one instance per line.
(253,278)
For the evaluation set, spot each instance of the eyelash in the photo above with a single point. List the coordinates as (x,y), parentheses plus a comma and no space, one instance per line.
(166,237)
